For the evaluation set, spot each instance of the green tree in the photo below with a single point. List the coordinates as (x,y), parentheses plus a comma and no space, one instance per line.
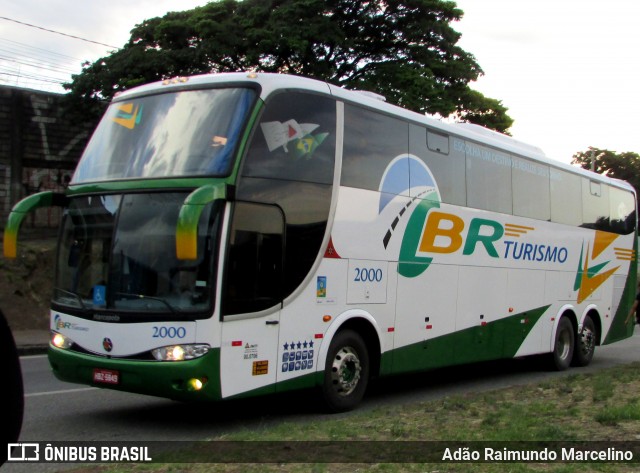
(624,166)
(474,107)
(403,49)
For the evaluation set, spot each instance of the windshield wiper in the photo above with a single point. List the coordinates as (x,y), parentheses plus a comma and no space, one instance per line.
(73,295)
(151,298)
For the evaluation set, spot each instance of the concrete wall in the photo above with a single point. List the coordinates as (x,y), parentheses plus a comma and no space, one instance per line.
(40,145)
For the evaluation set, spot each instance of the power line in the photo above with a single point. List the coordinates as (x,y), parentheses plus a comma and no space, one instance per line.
(36,64)
(22,48)
(43,69)
(58,32)
(50,80)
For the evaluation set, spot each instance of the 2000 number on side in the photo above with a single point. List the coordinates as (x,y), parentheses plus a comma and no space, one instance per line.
(169,332)
(368,275)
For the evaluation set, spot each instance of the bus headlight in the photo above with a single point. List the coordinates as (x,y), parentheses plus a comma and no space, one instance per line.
(180,352)
(60,341)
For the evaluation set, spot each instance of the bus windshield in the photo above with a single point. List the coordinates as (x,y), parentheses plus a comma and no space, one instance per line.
(186,133)
(117,252)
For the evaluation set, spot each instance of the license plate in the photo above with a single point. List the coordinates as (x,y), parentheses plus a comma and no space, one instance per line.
(104,376)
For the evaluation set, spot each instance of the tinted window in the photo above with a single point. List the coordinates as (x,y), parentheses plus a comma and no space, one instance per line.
(488,178)
(306,209)
(438,142)
(253,276)
(531,193)
(623,215)
(371,142)
(290,164)
(448,169)
(294,139)
(566,197)
(596,208)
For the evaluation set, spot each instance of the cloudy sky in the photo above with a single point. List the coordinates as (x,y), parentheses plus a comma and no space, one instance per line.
(566,69)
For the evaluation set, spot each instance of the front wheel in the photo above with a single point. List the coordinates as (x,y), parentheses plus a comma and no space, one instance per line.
(586,344)
(346,373)
(563,345)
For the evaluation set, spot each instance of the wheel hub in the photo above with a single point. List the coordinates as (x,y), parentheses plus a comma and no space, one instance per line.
(345,371)
(564,344)
(587,340)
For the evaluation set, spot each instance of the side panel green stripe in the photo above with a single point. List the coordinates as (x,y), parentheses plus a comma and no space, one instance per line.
(622,327)
(301,382)
(495,340)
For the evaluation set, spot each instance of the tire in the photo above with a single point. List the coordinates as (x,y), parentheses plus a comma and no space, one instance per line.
(563,346)
(585,344)
(346,372)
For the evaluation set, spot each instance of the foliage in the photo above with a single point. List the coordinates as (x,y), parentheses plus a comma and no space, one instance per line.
(488,112)
(403,49)
(625,166)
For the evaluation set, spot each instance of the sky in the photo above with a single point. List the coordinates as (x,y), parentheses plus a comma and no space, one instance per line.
(567,70)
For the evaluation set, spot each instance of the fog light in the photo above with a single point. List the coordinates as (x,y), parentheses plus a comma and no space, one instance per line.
(180,352)
(195,384)
(60,341)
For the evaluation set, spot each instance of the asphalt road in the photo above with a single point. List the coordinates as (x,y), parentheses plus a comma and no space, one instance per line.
(57,411)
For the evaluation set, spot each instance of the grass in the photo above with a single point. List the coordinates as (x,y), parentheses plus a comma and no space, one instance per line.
(603,406)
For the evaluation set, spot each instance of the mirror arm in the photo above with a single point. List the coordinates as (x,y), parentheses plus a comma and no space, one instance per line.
(189,217)
(21,210)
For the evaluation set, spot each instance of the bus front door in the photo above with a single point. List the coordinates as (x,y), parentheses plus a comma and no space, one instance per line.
(252,299)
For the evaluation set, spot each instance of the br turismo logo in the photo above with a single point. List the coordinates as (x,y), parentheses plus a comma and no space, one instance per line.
(424,193)
(592,271)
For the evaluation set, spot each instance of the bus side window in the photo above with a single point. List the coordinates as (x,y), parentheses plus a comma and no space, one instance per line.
(254,263)
(531,178)
(623,215)
(566,197)
(596,208)
(438,142)
(290,163)
(294,140)
(372,141)
(488,178)
(446,163)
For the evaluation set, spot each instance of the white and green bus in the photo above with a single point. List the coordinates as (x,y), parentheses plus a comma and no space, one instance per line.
(234,235)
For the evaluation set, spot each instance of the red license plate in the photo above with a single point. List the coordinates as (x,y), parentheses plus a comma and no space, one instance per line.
(104,376)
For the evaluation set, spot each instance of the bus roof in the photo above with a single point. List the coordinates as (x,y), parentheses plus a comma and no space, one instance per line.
(270,82)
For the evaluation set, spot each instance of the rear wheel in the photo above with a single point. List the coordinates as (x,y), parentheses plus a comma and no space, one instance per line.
(585,344)
(563,346)
(346,373)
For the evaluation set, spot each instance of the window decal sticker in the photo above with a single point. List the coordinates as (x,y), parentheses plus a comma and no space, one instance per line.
(129,115)
(279,134)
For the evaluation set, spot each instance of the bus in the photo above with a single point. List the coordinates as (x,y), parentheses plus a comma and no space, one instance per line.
(240,234)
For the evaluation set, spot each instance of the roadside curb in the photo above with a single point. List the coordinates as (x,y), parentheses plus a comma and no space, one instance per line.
(30,350)
(31,342)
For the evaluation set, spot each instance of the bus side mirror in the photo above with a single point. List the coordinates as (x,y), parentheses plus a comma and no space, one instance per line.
(187,228)
(21,210)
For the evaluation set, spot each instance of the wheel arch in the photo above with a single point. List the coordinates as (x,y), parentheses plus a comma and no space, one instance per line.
(565,311)
(364,325)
